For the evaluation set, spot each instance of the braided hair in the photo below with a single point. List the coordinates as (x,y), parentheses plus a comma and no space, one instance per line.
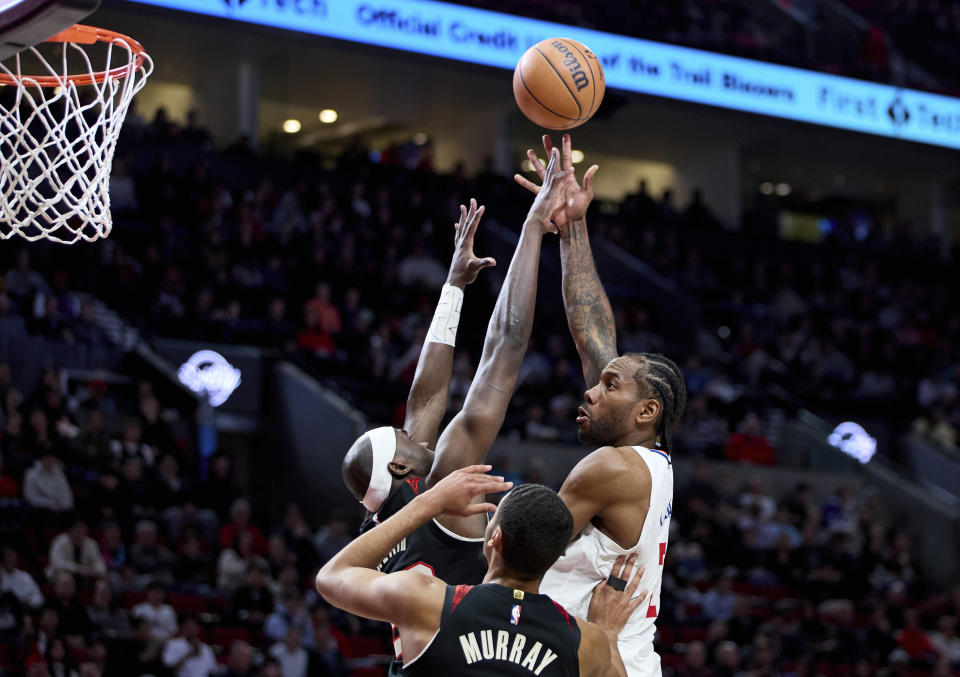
(660,378)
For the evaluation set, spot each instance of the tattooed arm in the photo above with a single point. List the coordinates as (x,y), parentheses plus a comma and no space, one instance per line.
(589,315)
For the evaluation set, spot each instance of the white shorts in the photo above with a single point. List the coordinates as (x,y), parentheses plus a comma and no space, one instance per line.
(640,661)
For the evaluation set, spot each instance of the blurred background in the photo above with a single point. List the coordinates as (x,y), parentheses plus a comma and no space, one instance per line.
(284,198)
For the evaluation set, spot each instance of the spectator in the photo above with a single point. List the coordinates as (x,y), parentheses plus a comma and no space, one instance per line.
(421,270)
(694,662)
(48,625)
(289,613)
(74,623)
(92,446)
(325,314)
(193,564)
(174,496)
(45,485)
(278,556)
(945,641)
(290,654)
(59,661)
(76,552)
(22,281)
(749,443)
(233,562)
(132,446)
(148,558)
(270,668)
(103,615)
(720,600)
(252,601)
(113,549)
(218,492)
(326,656)
(141,656)
(186,655)
(19,582)
(333,536)
(239,660)
(159,615)
(240,521)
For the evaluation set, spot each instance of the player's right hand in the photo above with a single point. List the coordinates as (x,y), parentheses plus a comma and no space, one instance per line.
(576,199)
(454,494)
(550,195)
(611,608)
(465,264)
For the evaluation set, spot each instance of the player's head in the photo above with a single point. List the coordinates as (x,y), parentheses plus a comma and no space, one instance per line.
(378,457)
(637,393)
(528,532)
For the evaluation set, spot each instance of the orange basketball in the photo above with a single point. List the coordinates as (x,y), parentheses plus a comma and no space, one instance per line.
(558,83)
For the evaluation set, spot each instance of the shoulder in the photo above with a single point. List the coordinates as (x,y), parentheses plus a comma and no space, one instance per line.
(609,465)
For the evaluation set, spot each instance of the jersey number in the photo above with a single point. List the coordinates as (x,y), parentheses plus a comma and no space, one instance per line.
(652,609)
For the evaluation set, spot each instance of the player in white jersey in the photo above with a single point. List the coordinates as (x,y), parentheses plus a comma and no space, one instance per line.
(621,494)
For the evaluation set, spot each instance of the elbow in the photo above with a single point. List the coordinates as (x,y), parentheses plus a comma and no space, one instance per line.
(324,583)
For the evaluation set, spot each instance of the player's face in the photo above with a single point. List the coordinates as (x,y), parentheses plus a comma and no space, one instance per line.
(418,456)
(606,413)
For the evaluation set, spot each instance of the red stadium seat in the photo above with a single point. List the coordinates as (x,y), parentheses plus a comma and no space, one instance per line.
(195,604)
(132,598)
(224,636)
(366,645)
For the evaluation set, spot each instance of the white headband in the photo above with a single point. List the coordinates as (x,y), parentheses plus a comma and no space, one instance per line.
(384,442)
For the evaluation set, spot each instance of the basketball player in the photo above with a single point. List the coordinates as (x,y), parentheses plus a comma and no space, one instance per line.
(386,468)
(502,627)
(620,495)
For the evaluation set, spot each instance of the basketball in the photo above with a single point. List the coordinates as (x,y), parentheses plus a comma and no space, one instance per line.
(558,83)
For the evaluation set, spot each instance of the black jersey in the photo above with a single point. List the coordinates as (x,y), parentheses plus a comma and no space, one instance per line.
(491,631)
(430,549)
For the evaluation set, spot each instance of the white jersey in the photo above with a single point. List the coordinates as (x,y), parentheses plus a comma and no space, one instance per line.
(589,560)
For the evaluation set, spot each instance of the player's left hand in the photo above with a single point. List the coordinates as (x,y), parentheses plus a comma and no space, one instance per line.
(576,199)
(611,608)
(465,264)
(454,494)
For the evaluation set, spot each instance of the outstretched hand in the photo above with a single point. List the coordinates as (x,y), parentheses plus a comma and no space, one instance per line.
(575,199)
(465,264)
(611,608)
(454,494)
(550,195)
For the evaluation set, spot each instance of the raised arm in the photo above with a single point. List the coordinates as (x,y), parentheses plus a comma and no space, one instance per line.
(589,315)
(427,401)
(410,600)
(471,432)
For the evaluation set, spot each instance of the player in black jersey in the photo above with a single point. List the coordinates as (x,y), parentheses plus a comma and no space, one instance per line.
(386,468)
(383,466)
(503,626)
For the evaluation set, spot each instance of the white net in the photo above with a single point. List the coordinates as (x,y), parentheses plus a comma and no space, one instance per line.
(58,132)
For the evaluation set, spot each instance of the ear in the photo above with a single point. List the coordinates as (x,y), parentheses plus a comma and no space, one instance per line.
(496,539)
(646,412)
(399,469)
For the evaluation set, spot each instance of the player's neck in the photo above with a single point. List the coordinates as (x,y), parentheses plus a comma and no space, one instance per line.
(500,577)
(637,438)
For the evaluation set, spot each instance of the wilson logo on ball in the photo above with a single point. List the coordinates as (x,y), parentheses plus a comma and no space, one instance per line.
(580,78)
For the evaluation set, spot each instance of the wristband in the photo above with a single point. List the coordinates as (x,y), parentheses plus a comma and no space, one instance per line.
(446,318)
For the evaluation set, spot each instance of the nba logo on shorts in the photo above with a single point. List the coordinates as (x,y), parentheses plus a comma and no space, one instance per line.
(515,614)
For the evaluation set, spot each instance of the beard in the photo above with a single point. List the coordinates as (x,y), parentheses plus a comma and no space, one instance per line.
(605,429)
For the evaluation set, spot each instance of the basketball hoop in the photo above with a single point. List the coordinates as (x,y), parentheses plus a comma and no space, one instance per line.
(58,132)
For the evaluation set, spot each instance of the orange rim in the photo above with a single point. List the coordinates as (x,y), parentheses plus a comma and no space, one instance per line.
(84,35)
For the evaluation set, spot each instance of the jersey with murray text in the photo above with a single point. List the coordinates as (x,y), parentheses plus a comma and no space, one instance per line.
(431,549)
(493,631)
